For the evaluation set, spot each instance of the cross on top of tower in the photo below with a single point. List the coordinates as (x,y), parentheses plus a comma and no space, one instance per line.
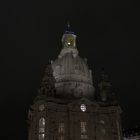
(68,29)
(68,24)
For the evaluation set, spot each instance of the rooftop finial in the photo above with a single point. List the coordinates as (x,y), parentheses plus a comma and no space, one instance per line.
(68,28)
(68,25)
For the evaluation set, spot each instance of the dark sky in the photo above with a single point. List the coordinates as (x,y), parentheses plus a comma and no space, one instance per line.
(31,31)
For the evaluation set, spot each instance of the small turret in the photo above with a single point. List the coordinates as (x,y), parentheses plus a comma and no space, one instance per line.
(105,87)
(47,88)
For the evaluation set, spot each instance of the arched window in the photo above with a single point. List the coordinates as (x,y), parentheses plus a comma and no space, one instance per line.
(41,128)
(83,126)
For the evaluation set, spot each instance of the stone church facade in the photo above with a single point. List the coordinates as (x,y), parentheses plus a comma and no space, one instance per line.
(66,107)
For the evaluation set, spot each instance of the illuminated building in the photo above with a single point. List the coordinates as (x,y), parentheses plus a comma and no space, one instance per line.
(66,108)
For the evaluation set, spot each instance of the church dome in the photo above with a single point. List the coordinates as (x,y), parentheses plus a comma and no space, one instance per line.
(71,72)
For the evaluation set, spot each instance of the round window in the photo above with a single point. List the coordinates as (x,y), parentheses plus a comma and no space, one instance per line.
(83,107)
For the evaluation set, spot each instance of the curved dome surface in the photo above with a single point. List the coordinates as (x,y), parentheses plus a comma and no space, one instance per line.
(73,77)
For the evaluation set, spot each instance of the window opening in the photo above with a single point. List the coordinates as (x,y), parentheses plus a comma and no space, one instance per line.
(41,128)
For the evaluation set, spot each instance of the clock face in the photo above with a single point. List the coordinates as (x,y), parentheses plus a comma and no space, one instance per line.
(41,107)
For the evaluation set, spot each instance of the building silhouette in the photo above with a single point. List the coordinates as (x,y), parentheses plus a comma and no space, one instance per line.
(68,107)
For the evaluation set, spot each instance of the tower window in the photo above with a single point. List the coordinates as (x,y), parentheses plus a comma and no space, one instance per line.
(41,128)
(61,128)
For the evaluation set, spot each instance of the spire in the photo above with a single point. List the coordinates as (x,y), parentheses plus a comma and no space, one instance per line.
(68,42)
(68,29)
(68,25)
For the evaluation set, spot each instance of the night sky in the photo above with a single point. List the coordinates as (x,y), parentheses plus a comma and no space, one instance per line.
(107,35)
